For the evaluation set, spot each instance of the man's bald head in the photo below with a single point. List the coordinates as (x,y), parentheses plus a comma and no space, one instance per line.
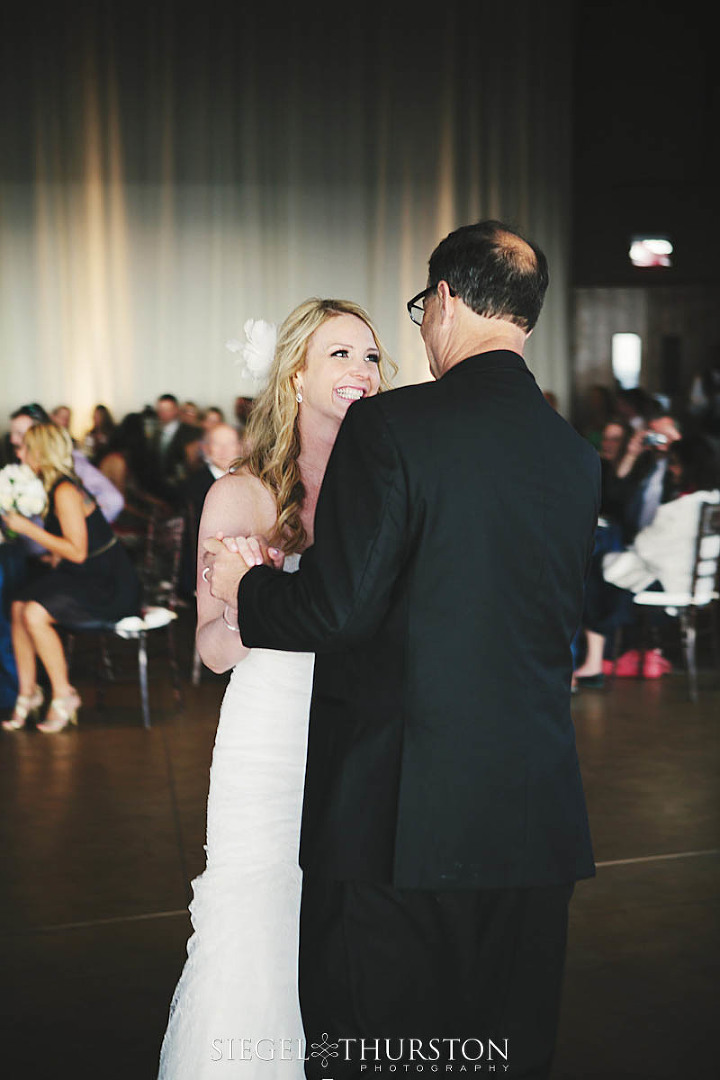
(496,272)
(223,446)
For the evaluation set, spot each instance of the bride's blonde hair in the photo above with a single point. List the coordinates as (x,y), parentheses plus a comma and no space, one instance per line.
(272,432)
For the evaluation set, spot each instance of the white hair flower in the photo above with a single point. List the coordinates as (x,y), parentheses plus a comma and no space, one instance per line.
(258,350)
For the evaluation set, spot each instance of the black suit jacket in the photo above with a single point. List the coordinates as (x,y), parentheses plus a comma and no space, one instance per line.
(168,469)
(452,536)
(173,459)
(195,490)
(194,493)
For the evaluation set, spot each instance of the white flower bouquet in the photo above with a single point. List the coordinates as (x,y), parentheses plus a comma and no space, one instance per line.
(21,491)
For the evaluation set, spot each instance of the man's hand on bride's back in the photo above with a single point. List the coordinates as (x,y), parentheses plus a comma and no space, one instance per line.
(255,550)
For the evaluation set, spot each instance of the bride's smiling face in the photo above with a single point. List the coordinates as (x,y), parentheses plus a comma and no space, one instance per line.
(341,366)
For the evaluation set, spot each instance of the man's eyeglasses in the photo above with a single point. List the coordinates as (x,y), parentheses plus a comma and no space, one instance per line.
(416,306)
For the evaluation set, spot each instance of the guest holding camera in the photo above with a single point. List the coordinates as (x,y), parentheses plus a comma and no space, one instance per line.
(664,550)
(661,554)
(646,483)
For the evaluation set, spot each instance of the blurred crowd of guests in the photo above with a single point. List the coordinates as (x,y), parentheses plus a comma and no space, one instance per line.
(659,464)
(166,452)
(157,462)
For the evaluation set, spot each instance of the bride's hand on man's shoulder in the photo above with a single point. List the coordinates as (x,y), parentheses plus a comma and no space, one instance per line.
(254,550)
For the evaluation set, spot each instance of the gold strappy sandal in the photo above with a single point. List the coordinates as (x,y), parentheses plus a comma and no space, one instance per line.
(26,705)
(65,710)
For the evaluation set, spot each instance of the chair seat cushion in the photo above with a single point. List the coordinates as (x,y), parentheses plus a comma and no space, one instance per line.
(670,599)
(156,617)
(153,619)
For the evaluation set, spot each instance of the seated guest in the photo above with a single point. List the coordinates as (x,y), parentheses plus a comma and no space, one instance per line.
(102,490)
(664,551)
(661,554)
(91,579)
(646,483)
(190,414)
(96,440)
(172,451)
(222,446)
(24,560)
(614,439)
(634,407)
(596,409)
(213,416)
(61,415)
(126,463)
(243,405)
(600,610)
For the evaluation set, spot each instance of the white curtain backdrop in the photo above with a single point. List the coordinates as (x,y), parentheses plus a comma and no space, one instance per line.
(169,171)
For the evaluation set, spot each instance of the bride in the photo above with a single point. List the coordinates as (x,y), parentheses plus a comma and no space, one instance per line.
(236,1003)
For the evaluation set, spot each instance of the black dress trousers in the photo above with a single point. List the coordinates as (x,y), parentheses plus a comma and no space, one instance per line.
(414,983)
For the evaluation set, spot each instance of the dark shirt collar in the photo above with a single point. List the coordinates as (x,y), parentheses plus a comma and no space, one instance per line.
(495,360)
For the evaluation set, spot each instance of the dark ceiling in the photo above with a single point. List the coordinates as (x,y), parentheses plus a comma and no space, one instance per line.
(646,123)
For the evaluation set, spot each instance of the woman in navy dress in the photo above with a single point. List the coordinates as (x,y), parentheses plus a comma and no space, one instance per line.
(90,578)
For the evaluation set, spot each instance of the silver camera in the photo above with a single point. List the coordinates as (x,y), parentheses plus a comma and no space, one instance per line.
(653,438)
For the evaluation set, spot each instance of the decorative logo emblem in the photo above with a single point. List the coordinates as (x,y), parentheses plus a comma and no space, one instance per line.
(324,1050)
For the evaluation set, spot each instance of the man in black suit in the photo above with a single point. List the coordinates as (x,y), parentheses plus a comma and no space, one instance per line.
(170,451)
(444,822)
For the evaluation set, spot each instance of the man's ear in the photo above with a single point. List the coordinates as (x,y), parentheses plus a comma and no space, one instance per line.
(447,300)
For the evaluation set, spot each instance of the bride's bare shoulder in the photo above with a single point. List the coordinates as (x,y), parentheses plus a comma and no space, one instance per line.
(237,504)
(240,483)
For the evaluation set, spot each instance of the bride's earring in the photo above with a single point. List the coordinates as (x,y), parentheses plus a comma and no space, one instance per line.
(298,397)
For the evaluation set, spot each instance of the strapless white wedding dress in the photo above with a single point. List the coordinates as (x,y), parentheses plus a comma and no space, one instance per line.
(235,1010)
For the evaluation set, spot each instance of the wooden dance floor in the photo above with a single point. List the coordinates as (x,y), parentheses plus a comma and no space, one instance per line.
(102,829)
